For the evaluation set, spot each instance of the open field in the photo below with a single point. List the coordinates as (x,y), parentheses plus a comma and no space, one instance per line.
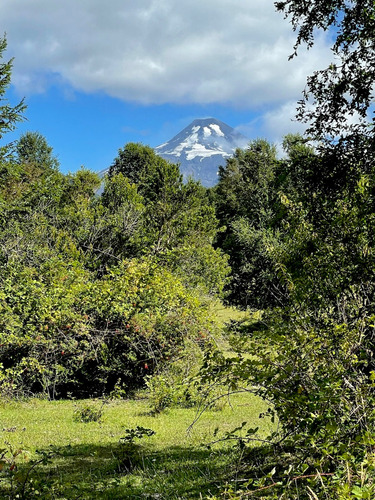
(88,460)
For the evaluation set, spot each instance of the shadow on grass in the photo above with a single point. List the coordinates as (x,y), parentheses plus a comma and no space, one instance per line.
(121,472)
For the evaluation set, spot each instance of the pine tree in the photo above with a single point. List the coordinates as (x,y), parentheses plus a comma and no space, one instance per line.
(9,115)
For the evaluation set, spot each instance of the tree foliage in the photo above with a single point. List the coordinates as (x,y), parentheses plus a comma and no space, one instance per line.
(312,357)
(346,87)
(62,331)
(245,200)
(87,303)
(9,115)
(177,219)
(32,148)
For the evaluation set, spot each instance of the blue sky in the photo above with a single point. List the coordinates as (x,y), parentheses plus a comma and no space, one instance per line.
(88,129)
(96,75)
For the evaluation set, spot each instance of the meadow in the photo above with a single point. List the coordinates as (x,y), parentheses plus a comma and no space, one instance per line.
(58,456)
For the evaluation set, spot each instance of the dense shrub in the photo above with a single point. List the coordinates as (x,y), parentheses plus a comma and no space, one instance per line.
(64,332)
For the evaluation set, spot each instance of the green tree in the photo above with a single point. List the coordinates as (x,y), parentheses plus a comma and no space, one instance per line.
(245,201)
(32,148)
(9,115)
(313,358)
(245,183)
(345,88)
(111,227)
(172,220)
(137,162)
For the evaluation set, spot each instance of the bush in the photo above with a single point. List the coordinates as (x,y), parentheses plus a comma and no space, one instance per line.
(129,454)
(64,331)
(88,412)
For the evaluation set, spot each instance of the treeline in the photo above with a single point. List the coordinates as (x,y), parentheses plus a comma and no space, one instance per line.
(97,289)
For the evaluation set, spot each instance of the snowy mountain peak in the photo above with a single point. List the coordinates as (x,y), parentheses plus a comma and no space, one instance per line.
(201,148)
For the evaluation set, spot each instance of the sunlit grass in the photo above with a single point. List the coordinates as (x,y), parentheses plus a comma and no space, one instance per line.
(224,314)
(174,463)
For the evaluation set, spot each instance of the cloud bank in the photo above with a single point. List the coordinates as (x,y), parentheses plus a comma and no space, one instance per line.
(230,52)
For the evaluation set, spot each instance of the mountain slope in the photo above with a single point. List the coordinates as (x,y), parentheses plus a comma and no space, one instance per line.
(201,148)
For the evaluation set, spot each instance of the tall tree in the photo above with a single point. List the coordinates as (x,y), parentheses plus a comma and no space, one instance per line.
(136,162)
(313,359)
(174,221)
(245,196)
(32,148)
(9,115)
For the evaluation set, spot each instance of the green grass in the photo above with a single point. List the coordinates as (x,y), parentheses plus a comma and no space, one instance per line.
(224,314)
(89,462)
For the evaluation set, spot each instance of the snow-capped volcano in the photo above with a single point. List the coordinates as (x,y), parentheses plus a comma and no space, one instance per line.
(201,148)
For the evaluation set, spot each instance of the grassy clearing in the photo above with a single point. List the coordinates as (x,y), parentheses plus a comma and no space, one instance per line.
(89,462)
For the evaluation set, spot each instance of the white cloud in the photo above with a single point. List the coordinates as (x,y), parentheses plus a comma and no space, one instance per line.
(274,125)
(156,51)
